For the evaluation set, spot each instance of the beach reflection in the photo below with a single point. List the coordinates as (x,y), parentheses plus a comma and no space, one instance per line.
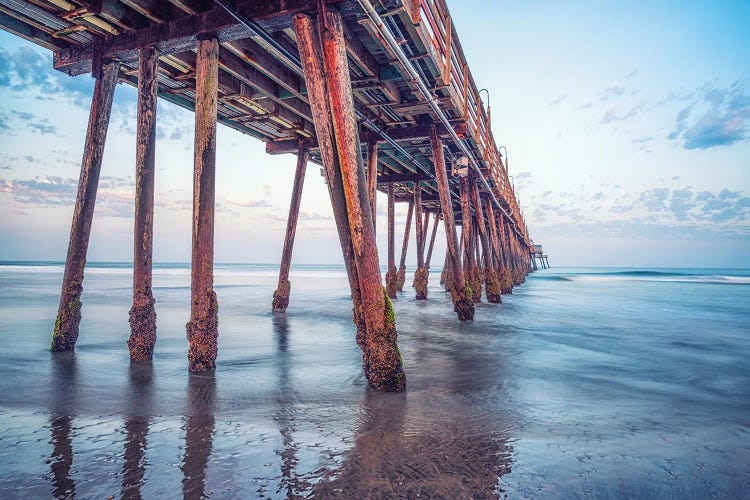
(139,410)
(64,392)
(200,423)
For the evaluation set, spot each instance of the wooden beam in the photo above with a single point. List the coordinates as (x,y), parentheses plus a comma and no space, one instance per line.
(281,295)
(462,303)
(181,33)
(142,313)
(65,333)
(203,327)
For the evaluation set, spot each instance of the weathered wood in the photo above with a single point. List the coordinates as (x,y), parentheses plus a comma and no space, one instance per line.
(202,329)
(470,263)
(142,313)
(432,241)
(403,134)
(405,248)
(458,285)
(329,89)
(65,333)
(372,179)
(281,295)
(310,51)
(391,277)
(491,283)
(181,34)
(381,357)
(420,276)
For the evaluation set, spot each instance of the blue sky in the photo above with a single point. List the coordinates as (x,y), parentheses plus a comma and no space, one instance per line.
(627,127)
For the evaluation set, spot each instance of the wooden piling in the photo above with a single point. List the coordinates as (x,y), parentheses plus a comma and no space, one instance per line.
(435,225)
(404,249)
(372,179)
(420,276)
(142,313)
(458,285)
(381,358)
(491,284)
(65,333)
(281,295)
(391,276)
(202,329)
(310,50)
(470,263)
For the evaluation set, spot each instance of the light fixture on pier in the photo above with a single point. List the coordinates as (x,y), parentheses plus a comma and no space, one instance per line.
(461,167)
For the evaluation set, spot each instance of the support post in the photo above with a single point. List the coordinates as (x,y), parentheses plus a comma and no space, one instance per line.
(458,285)
(203,327)
(491,285)
(470,263)
(142,313)
(281,295)
(372,179)
(420,276)
(391,276)
(404,249)
(506,280)
(381,358)
(65,334)
(435,225)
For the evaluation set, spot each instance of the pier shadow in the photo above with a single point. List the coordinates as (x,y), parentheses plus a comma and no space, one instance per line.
(138,412)
(63,402)
(200,423)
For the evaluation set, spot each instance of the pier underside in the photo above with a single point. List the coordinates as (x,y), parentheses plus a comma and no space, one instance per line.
(378,92)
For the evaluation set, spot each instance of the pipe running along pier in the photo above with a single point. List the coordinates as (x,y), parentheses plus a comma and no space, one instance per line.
(378,92)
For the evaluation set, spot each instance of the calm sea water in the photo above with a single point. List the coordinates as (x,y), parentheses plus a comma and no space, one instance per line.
(604,383)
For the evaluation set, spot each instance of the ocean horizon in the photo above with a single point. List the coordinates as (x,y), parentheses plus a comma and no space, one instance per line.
(603,382)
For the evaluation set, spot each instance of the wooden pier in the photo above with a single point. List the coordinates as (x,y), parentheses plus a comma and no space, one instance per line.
(378,92)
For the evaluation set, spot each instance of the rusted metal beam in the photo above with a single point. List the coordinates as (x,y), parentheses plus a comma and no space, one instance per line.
(281,295)
(65,334)
(491,282)
(420,275)
(142,313)
(202,329)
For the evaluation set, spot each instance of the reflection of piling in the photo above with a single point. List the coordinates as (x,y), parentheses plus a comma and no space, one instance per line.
(137,419)
(64,387)
(199,433)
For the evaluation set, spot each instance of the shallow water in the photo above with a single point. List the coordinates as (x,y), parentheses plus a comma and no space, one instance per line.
(584,383)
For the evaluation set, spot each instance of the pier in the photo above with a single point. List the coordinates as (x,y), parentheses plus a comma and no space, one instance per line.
(377,92)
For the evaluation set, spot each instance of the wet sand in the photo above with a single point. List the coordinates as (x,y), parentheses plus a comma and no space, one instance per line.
(569,389)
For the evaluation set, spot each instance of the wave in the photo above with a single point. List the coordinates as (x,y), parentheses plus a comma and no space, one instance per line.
(652,276)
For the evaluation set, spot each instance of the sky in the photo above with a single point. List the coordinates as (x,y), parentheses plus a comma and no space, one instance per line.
(627,126)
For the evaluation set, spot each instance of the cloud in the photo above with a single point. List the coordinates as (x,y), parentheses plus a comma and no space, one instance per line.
(585,105)
(558,100)
(643,140)
(611,93)
(611,114)
(715,118)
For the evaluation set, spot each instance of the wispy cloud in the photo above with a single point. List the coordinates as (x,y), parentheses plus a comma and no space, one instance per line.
(558,100)
(611,93)
(716,117)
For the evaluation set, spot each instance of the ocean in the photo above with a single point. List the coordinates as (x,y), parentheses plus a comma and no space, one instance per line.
(603,383)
